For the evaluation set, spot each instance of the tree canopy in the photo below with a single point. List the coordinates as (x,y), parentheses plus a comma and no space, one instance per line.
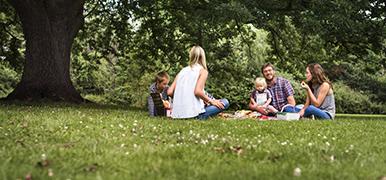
(122,44)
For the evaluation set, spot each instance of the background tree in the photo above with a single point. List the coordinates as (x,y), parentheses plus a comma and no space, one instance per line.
(49,28)
(124,43)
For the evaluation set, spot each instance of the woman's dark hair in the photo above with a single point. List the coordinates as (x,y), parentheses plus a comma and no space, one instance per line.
(318,75)
(161,76)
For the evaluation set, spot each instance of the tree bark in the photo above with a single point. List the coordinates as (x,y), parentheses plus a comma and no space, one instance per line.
(49,28)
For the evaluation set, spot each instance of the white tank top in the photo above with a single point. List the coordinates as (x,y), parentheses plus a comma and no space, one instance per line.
(185,103)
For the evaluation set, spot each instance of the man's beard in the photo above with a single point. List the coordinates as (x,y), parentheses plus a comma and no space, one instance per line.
(270,81)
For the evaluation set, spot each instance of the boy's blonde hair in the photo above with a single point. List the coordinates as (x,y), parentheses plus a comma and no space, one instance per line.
(197,55)
(261,81)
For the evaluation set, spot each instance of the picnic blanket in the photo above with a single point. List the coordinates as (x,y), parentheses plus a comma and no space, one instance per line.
(248,114)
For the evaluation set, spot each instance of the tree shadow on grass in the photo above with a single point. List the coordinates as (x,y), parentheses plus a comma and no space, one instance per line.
(88,105)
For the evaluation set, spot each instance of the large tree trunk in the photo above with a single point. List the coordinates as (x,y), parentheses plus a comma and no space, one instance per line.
(49,27)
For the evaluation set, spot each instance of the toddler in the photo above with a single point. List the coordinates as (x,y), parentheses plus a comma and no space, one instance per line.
(261,98)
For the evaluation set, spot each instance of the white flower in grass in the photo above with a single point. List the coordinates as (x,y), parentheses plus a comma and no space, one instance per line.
(284,143)
(135,124)
(123,135)
(122,145)
(154,128)
(126,153)
(224,140)
(310,144)
(190,132)
(50,172)
(333,138)
(44,157)
(135,145)
(327,143)
(86,126)
(297,172)
(204,141)
(319,135)
(111,125)
(229,133)
(346,151)
(120,125)
(80,122)
(324,137)
(259,141)
(351,147)
(332,158)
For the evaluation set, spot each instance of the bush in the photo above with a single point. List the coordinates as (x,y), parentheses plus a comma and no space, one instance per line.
(348,100)
(8,79)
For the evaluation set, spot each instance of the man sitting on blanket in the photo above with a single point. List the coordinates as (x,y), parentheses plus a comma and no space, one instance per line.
(281,90)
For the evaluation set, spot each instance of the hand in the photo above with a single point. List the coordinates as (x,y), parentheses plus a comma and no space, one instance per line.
(262,108)
(217,103)
(301,112)
(304,85)
(166,104)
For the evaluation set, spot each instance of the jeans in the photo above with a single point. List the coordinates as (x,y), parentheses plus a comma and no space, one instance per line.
(292,109)
(213,110)
(318,113)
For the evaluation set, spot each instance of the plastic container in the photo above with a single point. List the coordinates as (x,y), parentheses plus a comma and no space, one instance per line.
(287,116)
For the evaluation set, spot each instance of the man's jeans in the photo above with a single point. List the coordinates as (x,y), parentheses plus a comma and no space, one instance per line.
(213,110)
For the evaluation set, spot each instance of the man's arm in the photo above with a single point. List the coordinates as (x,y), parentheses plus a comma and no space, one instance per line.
(290,93)
(291,100)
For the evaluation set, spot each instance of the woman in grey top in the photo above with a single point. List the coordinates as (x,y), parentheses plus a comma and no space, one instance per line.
(320,96)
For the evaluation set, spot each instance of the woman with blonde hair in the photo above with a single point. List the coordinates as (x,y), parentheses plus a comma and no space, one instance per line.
(189,98)
(320,100)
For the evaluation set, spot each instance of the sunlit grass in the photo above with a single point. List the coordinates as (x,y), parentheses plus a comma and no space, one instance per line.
(112,142)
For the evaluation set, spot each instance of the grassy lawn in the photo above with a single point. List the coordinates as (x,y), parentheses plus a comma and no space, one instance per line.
(109,142)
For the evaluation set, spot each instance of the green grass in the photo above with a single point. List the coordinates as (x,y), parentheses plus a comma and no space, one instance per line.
(111,142)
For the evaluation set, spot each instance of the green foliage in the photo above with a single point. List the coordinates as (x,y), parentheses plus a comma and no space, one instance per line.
(11,37)
(124,43)
(8,78)
(352,101)
(232,75)
(116,142)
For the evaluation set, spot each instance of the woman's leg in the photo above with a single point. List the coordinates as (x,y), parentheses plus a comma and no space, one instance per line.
(318,113)
(213,110)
